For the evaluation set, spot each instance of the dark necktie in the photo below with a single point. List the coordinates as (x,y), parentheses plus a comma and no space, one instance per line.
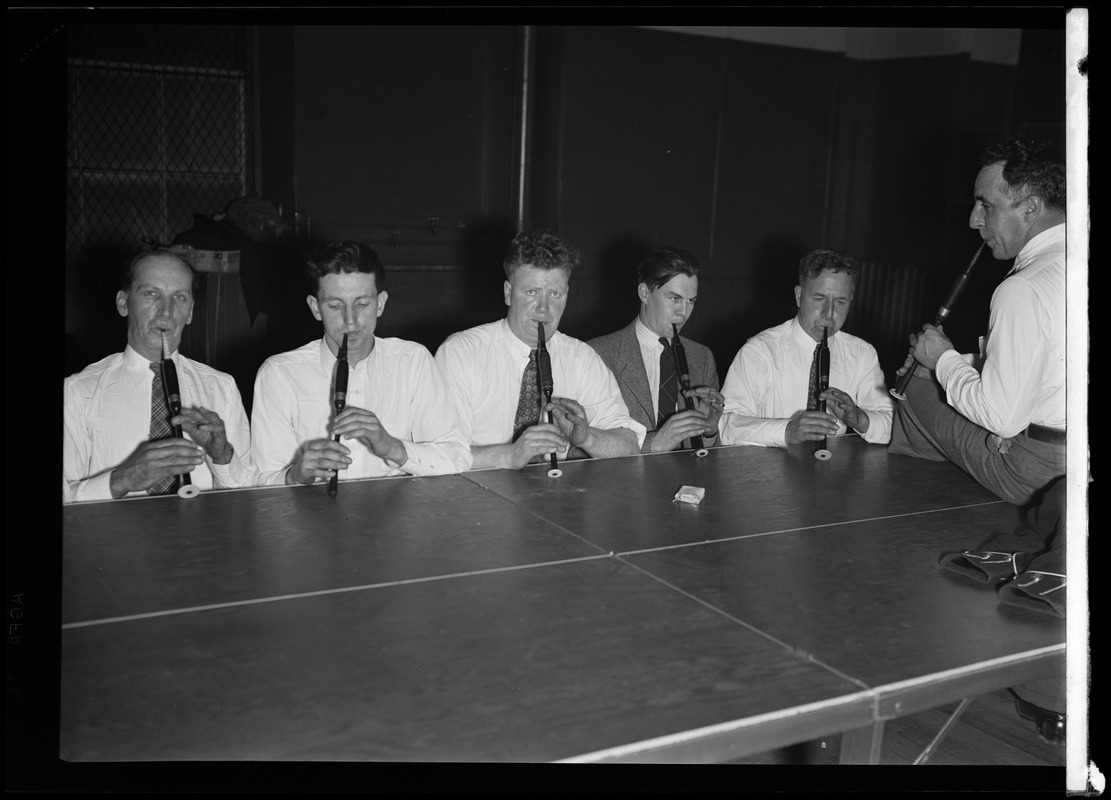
(669,385)
(812,401)
(160,427)
(528,404)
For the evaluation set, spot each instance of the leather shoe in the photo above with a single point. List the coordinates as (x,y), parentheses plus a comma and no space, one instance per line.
(1050,724)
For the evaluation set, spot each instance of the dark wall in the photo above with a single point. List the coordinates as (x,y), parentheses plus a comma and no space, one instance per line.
(403,122)
(405,138)
(748,155)
(667,139)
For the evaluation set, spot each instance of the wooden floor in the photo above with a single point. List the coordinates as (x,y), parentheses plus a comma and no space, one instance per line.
(988,733)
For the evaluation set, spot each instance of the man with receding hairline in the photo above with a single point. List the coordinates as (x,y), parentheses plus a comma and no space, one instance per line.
(767,389)
(107,447)
(1000,414)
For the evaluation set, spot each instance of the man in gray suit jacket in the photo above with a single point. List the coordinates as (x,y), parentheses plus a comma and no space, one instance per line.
(642,358)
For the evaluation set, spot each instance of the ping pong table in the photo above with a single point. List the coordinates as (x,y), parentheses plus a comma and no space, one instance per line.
(505,616)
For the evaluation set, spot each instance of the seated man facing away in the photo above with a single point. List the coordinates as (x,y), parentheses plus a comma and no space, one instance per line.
(490,372)
(118,435)
(769,397)
(397,418)
(643,357)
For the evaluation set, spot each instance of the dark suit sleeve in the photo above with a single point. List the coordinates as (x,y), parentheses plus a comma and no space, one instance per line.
(709,370)
(608,347)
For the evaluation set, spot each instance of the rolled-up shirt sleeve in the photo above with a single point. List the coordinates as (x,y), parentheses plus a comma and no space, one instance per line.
(595,389)
(437,446)
(747,384)
(274,440)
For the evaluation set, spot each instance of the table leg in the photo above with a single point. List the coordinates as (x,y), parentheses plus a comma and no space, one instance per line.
(862,745)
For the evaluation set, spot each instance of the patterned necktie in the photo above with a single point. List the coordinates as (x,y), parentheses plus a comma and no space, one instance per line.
(812,401)
(669,385)
(160,427)
(528,404)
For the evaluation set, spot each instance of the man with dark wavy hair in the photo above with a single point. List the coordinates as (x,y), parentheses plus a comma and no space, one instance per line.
(1000,414)
(117,431)
(489,370)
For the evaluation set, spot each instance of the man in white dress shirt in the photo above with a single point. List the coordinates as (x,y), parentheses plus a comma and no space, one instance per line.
(767,385)
(107,449)
(397,418)
(1000,414)
(484,367)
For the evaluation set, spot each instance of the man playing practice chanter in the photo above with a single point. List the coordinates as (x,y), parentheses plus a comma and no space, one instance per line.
(770,393)
(643,357)
(397,417)
(1000,414)
(118,435)
(490,371)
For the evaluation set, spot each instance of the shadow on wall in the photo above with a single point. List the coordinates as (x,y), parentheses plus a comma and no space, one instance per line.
(737,301)
(94,329)
(605,295)
(427,303)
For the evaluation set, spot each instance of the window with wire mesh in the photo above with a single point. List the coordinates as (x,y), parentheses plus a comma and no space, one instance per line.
(157,131)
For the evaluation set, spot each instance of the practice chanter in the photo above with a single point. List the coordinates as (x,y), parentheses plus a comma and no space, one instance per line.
(339,401)
(544,380)
(680,356)
(173,400)
(899,392)
(822,451)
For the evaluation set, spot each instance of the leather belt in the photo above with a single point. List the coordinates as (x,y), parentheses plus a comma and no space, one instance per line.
(1040,433)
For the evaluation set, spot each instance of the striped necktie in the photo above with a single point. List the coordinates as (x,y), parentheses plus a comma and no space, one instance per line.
(528,402)
(668,399)
(160,427)
(812,401)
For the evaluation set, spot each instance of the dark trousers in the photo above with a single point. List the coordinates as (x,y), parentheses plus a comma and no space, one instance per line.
(1017,470)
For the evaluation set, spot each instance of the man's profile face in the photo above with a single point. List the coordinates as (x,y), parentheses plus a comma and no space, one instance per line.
(999,219)
(158,305)
(349,303)
(535,295)
(824,302)
(669,304)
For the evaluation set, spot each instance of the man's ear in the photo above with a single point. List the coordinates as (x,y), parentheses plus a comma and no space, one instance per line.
(314,306)
(1032,207)
(121,303)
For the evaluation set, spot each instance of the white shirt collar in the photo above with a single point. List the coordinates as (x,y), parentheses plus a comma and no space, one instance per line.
(646,336)
(516,347)
(803,338)
(1047,239)
(134,360)
(328,359)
